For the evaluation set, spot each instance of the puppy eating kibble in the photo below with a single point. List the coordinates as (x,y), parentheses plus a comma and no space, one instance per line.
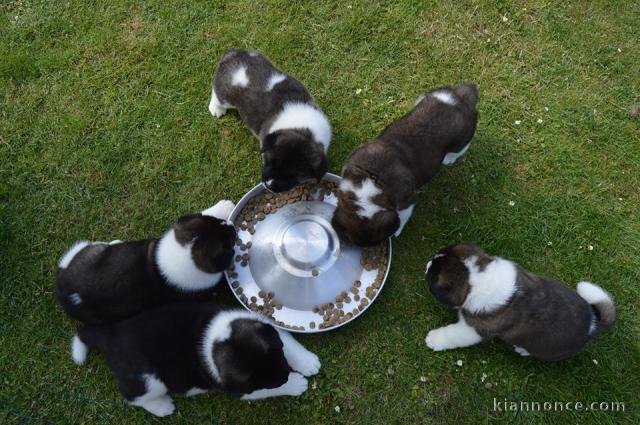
(191,348)
(381,178)
(293,132)
(497,298)
(100,282)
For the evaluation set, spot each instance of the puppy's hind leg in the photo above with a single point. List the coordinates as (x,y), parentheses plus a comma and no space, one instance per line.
(456,335)
(452,157)
(154,400)
(299,358)
(216,107)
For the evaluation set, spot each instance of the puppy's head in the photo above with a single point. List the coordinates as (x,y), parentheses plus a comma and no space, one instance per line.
(252,358)
(365,215)
(447,273)
(291,158)
(212,239)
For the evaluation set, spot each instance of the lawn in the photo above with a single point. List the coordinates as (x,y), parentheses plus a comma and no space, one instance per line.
(105,134)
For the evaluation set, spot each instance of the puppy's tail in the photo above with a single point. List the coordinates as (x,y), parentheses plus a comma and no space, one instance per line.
(601,302)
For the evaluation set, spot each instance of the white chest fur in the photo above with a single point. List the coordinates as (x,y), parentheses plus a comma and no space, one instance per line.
(177,266)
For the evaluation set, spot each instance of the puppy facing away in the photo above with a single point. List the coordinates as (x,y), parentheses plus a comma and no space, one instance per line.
(100,282)
(497,298)
(191,348)
(381,178)
(293,132)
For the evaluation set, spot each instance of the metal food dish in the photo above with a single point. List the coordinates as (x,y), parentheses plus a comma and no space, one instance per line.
(290,264)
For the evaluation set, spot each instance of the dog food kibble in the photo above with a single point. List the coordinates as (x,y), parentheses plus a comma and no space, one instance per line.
(331,314)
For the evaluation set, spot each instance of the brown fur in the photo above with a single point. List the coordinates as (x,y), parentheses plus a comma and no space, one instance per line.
(404,157)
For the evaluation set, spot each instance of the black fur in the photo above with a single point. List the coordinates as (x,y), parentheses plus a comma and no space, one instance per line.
(404,157)
(544,317)
(167,342)
(118,281)
(291,156)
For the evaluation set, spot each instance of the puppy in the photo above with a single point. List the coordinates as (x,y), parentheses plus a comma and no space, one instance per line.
(293,132)
(381,178)
(496,298)
(191,348)
(100,282)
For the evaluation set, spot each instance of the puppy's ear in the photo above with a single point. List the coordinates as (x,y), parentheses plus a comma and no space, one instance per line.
(269,141)
(186,229)
(469,93)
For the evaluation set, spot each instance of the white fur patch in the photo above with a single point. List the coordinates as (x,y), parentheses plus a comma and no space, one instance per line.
(78,350)
(239,77)
(71,253)
(452,157)
(221,210)
(195,391)
(273,80)
(419,100)
(155,400)
(216,108)
(299,358)
(218,330)
(445,97)
(295,385)
(304,115)
(456,335)
(364,194)
(404,215)
(592,293)
(491,288)
(176,265)
(75,298)
(521,351)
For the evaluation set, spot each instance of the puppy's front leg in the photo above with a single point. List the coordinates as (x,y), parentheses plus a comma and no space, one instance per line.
(295,385)
(456,335)
(221,210)
(299,358)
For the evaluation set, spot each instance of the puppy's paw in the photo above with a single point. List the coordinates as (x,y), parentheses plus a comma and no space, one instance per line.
(306,362)
(437,340)
(221,210)
(521,351)
(161,406)
(296,385)
(215,106)
(216,111)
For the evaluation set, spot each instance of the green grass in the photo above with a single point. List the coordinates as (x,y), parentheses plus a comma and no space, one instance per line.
(105,134)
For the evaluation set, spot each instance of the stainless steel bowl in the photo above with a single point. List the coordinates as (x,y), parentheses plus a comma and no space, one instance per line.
(297,256)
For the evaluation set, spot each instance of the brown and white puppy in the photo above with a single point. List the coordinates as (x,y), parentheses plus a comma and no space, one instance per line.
(496,298)
(294,133)
(381,178)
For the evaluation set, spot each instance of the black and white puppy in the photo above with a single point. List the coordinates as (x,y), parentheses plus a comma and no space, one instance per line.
(293,132)
(381,178)
(497,298)
(99,282)
(191,348)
